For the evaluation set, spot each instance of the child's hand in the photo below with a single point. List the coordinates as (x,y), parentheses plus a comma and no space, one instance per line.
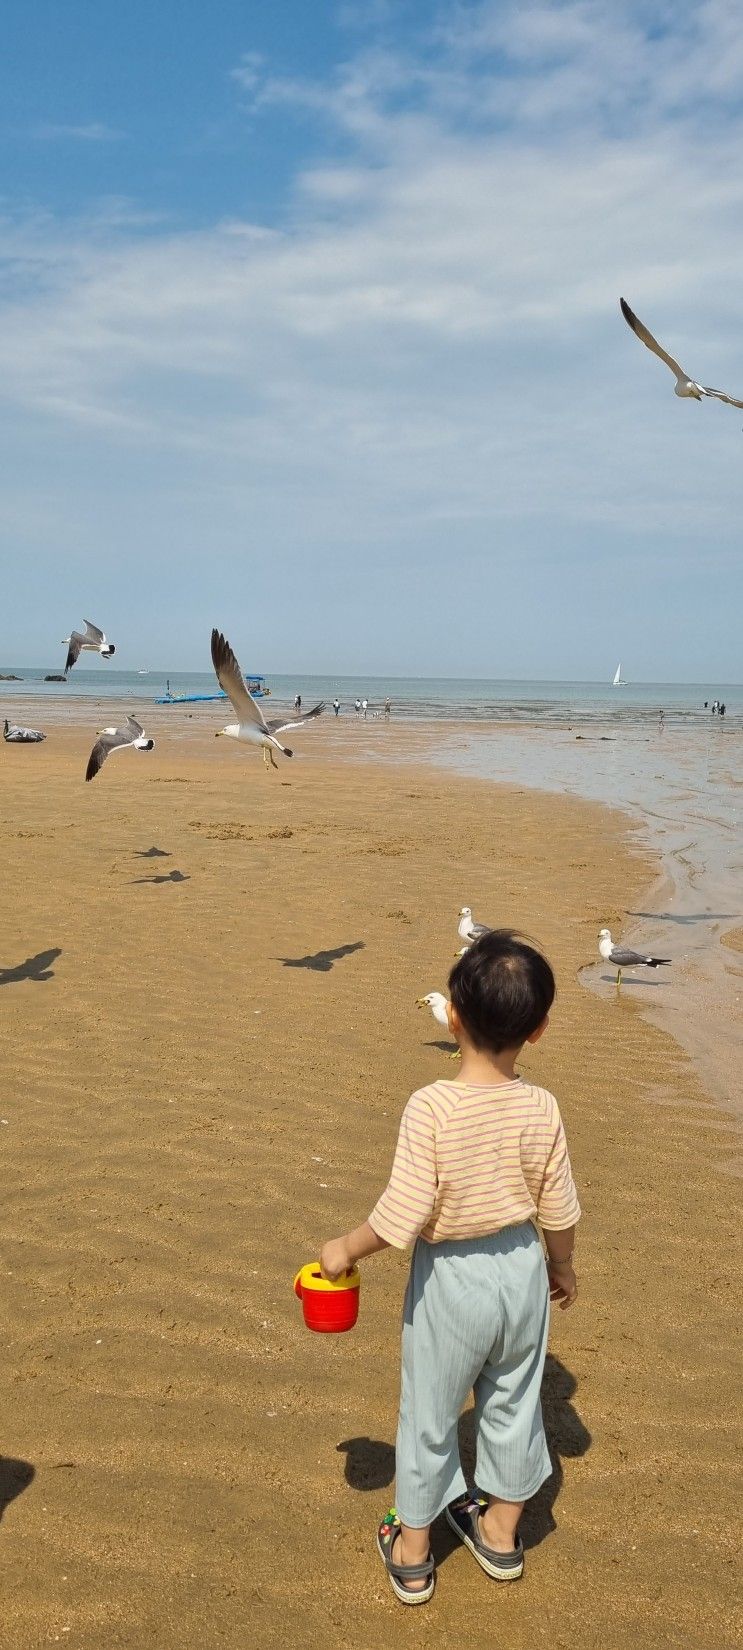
(563,1284)
(335,1258)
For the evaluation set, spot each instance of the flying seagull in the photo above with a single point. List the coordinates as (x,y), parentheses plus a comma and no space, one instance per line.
(21,736)
(437,1003)
(251,724)
(93,641)
(469,930)
(685,386)
(622,957)
(117,739)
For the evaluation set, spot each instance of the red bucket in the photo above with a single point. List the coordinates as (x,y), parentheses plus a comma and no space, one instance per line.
(329,1308)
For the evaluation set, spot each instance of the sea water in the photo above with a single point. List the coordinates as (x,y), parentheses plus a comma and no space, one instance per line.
(413,698)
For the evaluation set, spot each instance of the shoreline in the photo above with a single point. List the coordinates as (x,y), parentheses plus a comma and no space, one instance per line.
(696,858)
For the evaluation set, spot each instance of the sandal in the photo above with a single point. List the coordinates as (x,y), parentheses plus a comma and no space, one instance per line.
(398,1574)
(463,1516)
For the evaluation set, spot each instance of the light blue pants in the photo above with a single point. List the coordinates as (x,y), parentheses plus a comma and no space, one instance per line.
(476,1315)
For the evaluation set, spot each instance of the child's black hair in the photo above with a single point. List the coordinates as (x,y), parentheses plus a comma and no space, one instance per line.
(502,989)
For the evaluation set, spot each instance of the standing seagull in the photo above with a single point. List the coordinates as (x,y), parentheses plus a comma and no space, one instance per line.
(438,1004)
(469,930)
(251,724)
(624,958)
(685,386)
(93,641)
(117,739)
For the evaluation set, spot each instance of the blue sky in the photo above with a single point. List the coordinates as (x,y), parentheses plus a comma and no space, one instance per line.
(309,328)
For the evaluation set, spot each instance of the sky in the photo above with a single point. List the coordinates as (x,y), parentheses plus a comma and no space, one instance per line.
(309,329)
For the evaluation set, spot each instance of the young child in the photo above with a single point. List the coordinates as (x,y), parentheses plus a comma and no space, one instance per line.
(478,1161)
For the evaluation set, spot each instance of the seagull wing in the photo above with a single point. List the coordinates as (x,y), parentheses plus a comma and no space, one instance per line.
(648,339)
(230,678)
(477,929)
(92,633)
(134,727)
(277,726)
(107,743)
(22,736)
(720,395)
(73,650)
(624,958)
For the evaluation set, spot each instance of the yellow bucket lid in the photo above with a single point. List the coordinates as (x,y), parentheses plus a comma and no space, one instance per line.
(310,1277)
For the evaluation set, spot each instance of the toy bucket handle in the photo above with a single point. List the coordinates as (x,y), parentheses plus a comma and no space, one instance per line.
(313,1267)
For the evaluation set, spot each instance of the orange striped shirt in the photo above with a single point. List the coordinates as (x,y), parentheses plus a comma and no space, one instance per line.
(471,1159)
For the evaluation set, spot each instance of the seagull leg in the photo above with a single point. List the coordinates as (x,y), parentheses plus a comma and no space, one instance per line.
(274,763)
(619,978)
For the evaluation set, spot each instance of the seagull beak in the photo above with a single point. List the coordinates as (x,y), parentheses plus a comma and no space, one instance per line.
(419,1003)
(218,733)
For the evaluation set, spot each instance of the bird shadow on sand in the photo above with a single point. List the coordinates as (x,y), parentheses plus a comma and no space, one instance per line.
(152,853)
(15,1477)
(370,1462)
(167,876)
(442,1046)
(629,980)
(34,968)
(321,962)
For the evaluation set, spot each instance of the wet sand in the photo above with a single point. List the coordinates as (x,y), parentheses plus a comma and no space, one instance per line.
(681,791)
(205,1051)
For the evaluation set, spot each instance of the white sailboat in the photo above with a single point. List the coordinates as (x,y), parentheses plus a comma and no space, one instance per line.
(618,678)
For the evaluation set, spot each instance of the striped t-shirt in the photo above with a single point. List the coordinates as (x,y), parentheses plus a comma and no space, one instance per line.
(472,1158)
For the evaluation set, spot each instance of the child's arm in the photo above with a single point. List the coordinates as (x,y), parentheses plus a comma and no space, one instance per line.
(340,1254)
(563,1282)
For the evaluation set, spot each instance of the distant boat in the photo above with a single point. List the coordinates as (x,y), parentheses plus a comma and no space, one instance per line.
(618,678)
(256,685)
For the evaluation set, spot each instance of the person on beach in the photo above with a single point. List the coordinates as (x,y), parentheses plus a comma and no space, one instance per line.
(478,1161)
(364,707)
(336,706)
(387,708)
(357,707)
(297,701)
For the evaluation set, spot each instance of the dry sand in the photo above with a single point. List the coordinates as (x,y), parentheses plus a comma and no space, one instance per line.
(205,1053)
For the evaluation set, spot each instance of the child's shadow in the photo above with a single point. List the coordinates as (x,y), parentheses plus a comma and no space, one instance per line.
(566,1436)
(370,1462)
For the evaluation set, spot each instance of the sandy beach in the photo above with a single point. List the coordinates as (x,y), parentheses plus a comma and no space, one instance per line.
(208,1032)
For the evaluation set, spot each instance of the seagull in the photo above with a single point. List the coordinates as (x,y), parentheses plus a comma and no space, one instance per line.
(624,958)
(469,930)
(685,386)
(93,641)
(21,736)
(117,739)
(438,1004)
(251,724)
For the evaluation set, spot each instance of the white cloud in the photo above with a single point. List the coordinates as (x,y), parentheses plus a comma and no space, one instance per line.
(93,131)
(429,352)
